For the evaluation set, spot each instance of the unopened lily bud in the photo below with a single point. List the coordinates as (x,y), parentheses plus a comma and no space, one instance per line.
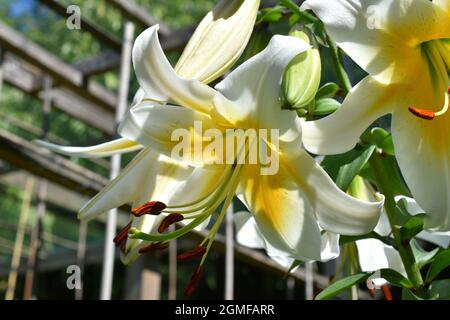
(325,106)
(301,79)
(218,41)
(328,90)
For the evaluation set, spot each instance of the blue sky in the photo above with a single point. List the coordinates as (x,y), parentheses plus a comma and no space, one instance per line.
(19,7)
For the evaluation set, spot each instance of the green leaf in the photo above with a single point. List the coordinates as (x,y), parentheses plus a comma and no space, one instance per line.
(328,90)
(441,261)
(326,106)
(344,167)
(409,295)
(440,289)
(395,278)
(390,168)
(421,256)
(342,285)
(412,227)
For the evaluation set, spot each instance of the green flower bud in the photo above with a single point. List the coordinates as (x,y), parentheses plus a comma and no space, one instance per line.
(301,79)
(328,90)
(325,106)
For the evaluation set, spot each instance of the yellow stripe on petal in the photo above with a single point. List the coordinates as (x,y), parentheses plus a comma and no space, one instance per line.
(281,211)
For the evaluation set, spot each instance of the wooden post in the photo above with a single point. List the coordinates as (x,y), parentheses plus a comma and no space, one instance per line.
(151,285)
(81,253)
(309,281)
(2,58)
(290,288)
(229,254)
(108,264)
(36,235)
(172,292)
(18,245)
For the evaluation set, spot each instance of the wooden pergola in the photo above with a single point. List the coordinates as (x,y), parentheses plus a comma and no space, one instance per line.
(69,88)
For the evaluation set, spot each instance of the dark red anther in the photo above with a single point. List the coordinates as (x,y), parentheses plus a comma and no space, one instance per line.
(193,282)
(193,254)
(154,247)
(169,220)
(120,238)
(387,292)
(150,207)
(422,113)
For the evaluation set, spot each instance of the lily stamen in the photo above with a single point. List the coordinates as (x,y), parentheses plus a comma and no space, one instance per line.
(169,220)
(427,114)
(150,207)
(193,254)
(193,282)
(120,238)
(153,247)
(386,292)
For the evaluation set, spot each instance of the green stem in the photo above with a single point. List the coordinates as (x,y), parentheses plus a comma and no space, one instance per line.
(309,18)
(403,247)
(342,75)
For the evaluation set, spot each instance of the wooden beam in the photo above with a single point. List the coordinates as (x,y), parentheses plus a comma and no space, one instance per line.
(43,163)
(64,73)
(22,77)
(105,61)
(139,15)
(103,36)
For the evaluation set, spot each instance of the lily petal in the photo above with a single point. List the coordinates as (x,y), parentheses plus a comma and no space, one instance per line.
(163,128)
(247,233)
(336,211)
(376,33)
(340,131)
(423,149)
(148,176)
(107,149)
(218,41)
(249,96)
(330,246)
(375,255)
(158,79)
(284,217)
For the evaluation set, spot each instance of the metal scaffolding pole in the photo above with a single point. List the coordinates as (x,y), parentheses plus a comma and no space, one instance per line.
(229,254)
(125,68)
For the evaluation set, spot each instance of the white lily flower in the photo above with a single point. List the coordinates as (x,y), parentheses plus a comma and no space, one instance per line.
(288,206)
(248,235)
(214,47)
(404,45)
